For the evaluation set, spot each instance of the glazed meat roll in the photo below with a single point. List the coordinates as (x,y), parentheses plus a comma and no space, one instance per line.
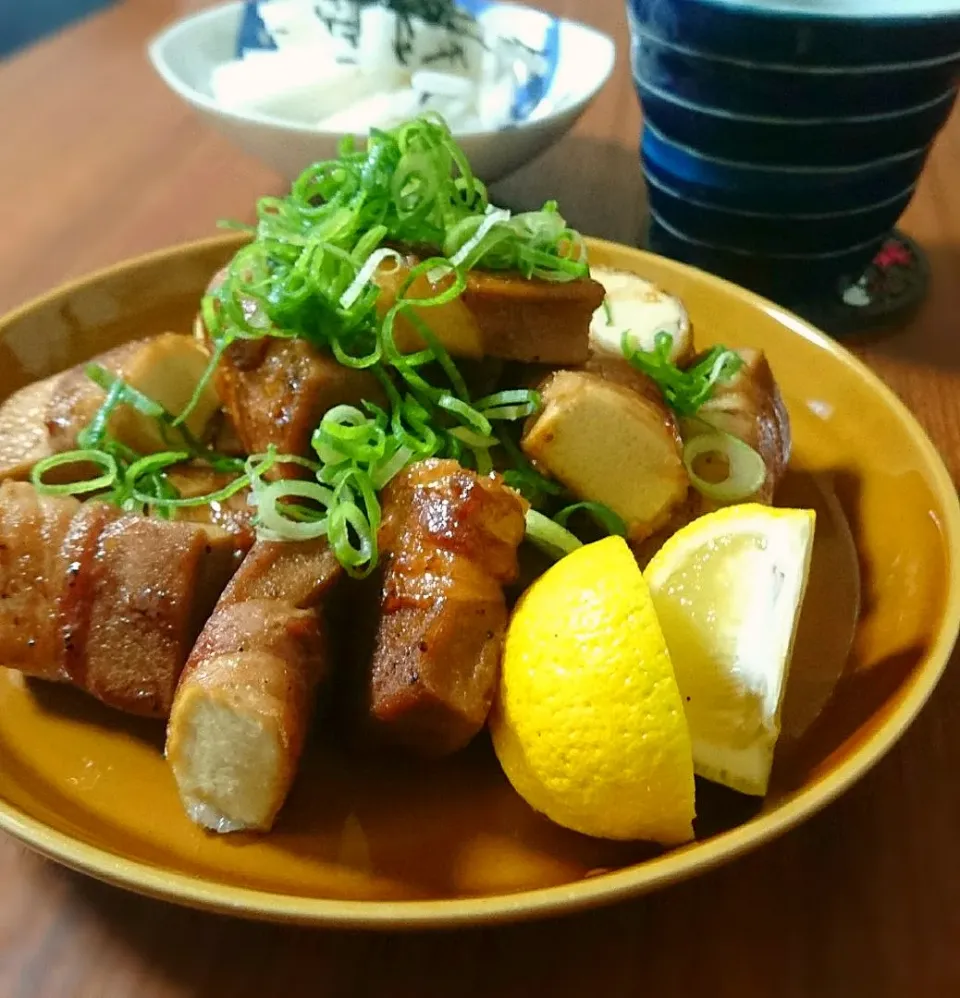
(246,697)
(449,540)
(107,601)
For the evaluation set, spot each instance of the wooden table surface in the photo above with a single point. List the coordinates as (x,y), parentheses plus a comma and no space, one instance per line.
(97,162)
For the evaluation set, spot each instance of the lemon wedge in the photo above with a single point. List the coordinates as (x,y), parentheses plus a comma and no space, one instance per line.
(728,589)
(588,723)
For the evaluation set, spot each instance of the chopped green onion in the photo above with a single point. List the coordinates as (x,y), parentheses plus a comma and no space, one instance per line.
(106,380)
(603,515)
(549,536)
(358,559)
(475,420)
(366,273)
(97,484)
(684,390)
(383,473)
(273,522)
(473,439)
(746,471)
(515,403)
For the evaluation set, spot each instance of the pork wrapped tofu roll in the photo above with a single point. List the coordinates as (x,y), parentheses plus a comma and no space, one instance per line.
(606,433)
(244,703)
(24,439)
(501,315)
(109,602)
(449,540)
(748,406)
(642,311)
(166,368)
(276,389)
(46,417)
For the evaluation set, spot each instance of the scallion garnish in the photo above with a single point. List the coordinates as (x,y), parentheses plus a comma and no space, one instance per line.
(684,389)
(310,271)
(549,536)
(104,461)
(603,515)
(744,471)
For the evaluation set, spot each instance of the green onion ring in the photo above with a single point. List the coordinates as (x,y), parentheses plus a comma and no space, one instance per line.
(105,481)
(549,536)
(747,471)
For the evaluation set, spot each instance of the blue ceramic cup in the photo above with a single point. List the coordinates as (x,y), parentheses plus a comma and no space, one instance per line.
(784,138)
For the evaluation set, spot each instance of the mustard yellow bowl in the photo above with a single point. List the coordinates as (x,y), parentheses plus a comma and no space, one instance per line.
(397,843)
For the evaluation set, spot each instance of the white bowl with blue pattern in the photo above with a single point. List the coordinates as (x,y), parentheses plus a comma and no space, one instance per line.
(578,61)
(784,138)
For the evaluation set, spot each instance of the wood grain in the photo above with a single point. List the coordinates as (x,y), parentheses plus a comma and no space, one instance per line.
(98,162)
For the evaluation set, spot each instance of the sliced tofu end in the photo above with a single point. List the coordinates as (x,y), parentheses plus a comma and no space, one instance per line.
(611,445)
(226,762)
(639,307)
(452,324)
(167,369)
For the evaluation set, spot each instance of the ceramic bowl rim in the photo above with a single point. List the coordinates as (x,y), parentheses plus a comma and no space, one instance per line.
(157,47)
(672,867)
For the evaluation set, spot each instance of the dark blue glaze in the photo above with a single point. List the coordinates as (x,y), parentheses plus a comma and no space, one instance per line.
(753,118)
(844,141)
(792,281)
(775,190)
(802,39)
(817,233)
(758,89)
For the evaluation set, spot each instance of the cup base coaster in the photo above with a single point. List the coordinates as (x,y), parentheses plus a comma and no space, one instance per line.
(889,289)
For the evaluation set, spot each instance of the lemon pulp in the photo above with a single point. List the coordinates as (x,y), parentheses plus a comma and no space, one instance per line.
(728,589)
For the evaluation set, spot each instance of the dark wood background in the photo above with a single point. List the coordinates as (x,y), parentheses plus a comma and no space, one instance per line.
(98,162)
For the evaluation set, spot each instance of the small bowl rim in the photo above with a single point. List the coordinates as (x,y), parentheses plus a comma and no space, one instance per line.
(156,48)
(608,888)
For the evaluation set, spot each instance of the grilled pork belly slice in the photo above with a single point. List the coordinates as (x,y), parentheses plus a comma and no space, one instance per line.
(34,570)
(449,541)
(166,368)
(501,315)
(245,699)
(109,602)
